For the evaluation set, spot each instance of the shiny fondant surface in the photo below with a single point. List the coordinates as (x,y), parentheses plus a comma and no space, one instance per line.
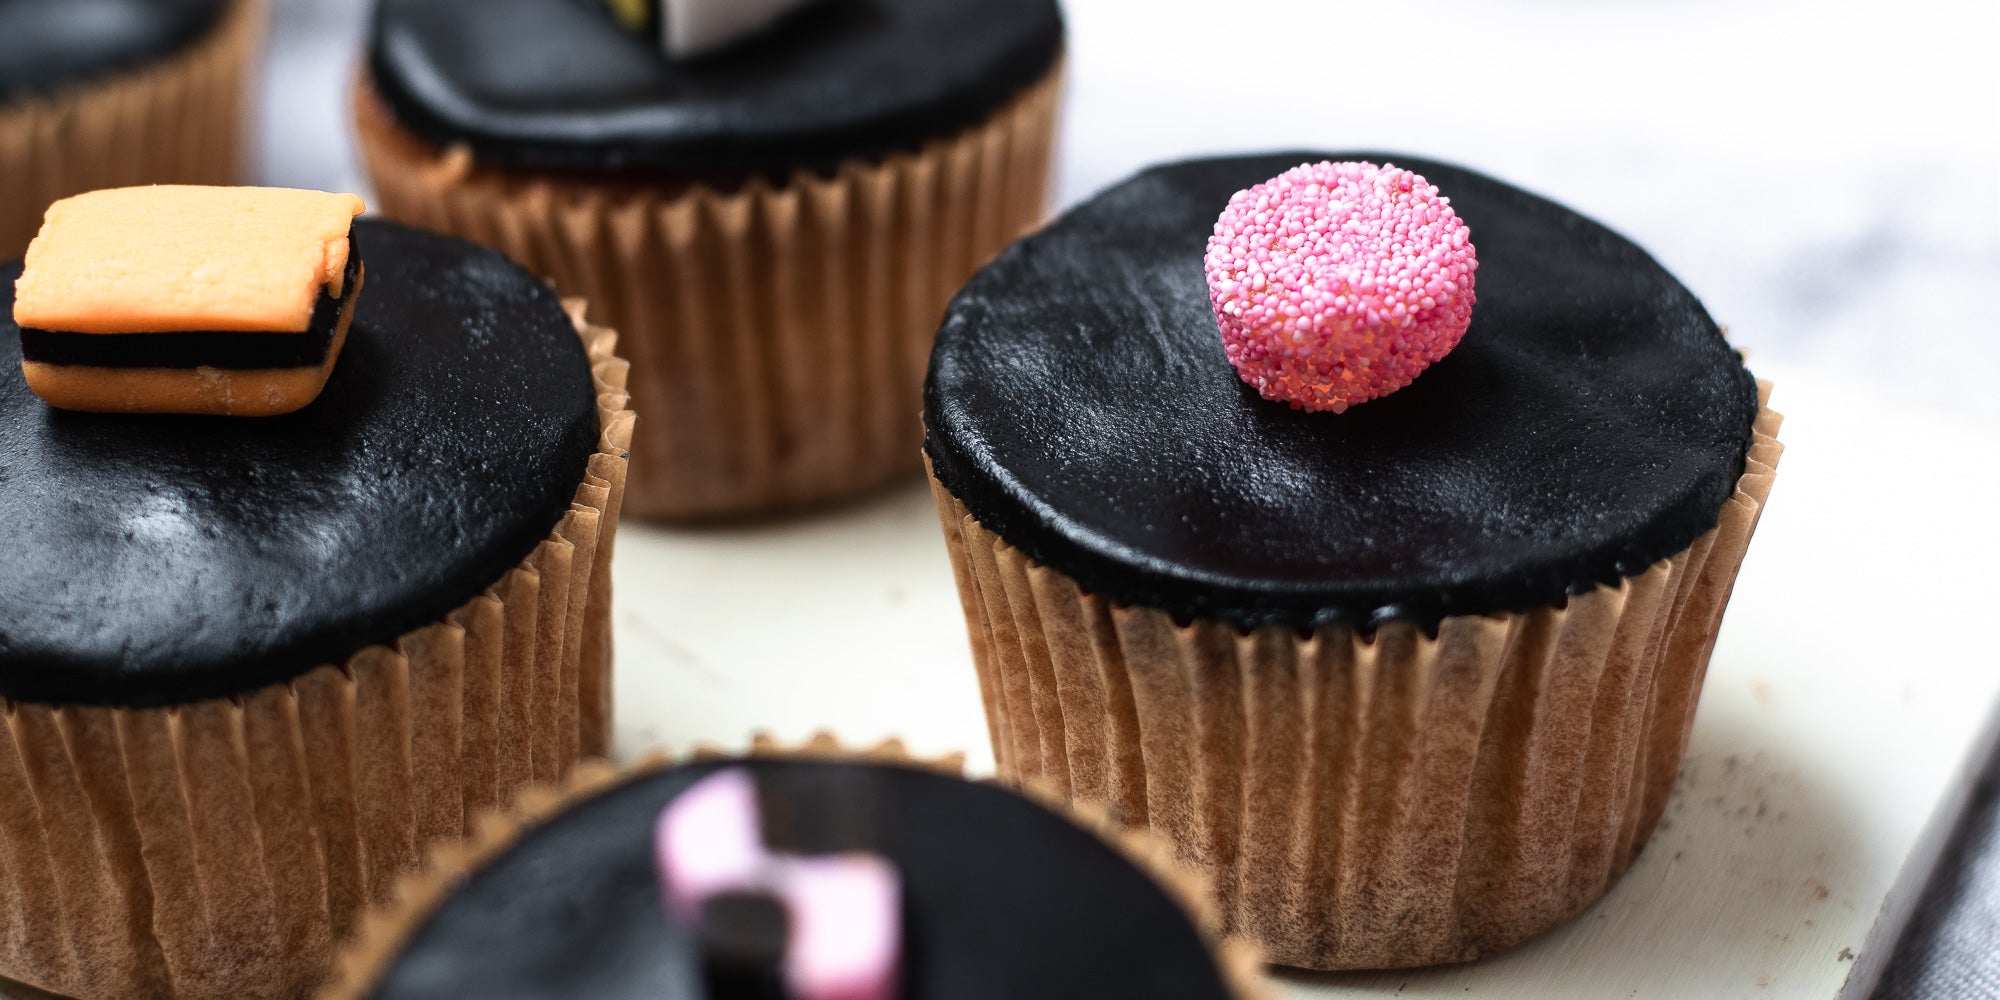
(1003,900)
(163,559)
(1593,420)
(560,85)
(47,45)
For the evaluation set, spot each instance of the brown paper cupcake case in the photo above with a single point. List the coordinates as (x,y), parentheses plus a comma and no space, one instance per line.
(222,848)
(1366,801)
(180,121)
(778,332)
(386,930)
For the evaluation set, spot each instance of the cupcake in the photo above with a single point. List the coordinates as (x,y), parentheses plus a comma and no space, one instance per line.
(772,205)
(311,524)
(104,93)
(815,874)
(1363,529)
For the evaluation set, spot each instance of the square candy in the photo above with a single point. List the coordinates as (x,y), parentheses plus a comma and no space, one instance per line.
(176,258)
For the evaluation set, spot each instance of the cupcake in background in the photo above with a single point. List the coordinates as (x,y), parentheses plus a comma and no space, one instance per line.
(309,561)
(1379,571)
(814,873)
(110,93)
(772,200)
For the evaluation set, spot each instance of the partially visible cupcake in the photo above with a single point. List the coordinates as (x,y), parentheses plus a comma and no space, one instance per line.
(772,204)
(310,527)
(819,874)
(1362,524)
(109,93)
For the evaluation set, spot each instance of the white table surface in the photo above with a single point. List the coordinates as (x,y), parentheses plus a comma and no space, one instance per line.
(1826,175)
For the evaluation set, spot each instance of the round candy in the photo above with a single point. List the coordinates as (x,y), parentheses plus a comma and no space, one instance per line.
(1337,283)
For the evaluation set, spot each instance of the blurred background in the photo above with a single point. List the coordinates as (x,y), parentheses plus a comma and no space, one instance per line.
(1824,175)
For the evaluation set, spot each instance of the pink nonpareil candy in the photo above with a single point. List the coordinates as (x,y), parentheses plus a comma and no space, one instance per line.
(844,911)
(1337,283)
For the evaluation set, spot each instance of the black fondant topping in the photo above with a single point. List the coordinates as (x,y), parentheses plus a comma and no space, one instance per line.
(1002,900)
(46,45)
(819,817)
(561,85)
(1079,403)
(164,559)
(199,349)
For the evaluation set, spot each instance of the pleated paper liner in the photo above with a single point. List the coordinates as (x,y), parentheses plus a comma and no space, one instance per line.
(778,333)
(1366,801)
(222,848)
(178,121)
(388,929)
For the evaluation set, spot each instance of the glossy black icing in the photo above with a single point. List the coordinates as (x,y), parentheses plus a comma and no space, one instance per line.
(1003,900)
(202,348)
(560,85)
(1592,421)
(164,559)
(46,45)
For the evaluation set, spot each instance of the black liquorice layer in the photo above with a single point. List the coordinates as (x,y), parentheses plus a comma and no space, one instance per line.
(554,85)
(236,350)
(1079,403)
(1003,900)
(157,560)
(47,45)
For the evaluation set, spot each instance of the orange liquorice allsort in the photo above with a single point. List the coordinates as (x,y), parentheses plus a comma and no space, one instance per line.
(227,301)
